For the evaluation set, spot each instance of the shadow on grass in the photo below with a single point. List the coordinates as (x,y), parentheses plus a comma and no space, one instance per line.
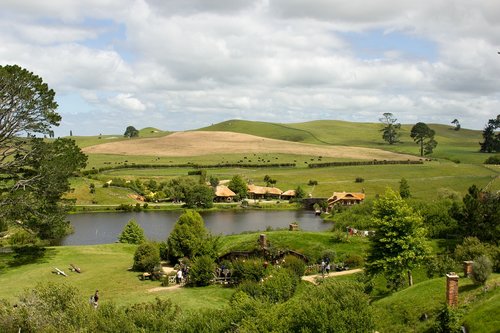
(467,288)
(29,255)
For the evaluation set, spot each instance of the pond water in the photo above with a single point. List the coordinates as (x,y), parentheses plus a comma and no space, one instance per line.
(103,228)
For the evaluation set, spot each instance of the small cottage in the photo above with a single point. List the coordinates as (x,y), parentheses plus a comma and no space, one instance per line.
(345,198)
(287,195)
(223,194)
(263,192)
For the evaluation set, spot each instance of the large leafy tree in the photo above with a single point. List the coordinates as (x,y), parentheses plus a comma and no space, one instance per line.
(391,128)
(479,215)
(199,195)
(33,173)
(399,243)
(131,132)
(238,186)
(491,138)
(132,233)
(188,237)
(424,136)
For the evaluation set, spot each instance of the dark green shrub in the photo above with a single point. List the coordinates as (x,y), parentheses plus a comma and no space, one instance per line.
(125,207)
(202,271)
(158,316)
(146,257)
(163,250)
(295,265)
(279,286)
(440,265)
(251,270)
(359,180)
(354,260)
(251,288)
(132,233)
(495,159)
(481,269)
(448,320)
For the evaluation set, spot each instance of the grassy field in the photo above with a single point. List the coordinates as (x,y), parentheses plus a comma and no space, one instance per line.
(426,181)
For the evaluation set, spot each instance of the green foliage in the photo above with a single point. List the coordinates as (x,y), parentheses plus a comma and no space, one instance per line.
(47,308)
(146,257)
(495,159)
(437,219)
(404,188)
(448,320)
(300,193)
(390,130)
(399,242)
(279,286)
(202,271)
(131,132)
(457,124)
(491,138)
(479,216)
(188,237)
(249,270)
(200,196)
(158,316)
(354,260)
(338,306)
(295,265)
(481,269)
(238,186)
(424,136)
(440,265)
(132,233)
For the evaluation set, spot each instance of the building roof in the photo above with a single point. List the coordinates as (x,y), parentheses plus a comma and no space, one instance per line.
(340,196)
(263,189)
(223,191)
(289,193)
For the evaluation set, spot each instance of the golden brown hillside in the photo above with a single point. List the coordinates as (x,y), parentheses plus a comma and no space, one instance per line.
(208,143)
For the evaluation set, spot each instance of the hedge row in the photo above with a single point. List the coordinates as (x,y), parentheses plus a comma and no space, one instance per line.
(187,165)
(374,162)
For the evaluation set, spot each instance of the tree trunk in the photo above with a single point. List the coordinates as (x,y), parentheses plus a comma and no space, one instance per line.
(410,279)
(422,147)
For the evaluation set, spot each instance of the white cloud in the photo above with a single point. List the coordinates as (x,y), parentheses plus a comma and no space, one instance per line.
(271,60)
(127,102)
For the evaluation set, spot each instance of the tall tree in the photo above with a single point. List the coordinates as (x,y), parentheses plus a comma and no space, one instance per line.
(399,242)
(188,236)
(457,124)
(491,137)
(238,186)
(390,131)
(424,136)
(479,215)
(33,173)
(131,132)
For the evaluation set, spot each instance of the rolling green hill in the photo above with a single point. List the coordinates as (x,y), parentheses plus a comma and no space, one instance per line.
(454,145)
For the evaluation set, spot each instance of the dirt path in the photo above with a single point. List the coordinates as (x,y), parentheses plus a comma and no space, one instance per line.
(312,278)
(308,278)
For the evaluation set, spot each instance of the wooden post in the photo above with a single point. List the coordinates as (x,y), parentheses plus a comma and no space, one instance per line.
(263,240)
(452,289)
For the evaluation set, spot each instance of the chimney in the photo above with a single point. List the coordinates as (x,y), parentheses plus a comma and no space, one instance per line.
(468,268)
(452,289)
(263,240)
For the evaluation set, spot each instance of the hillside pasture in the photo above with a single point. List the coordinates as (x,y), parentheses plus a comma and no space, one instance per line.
(199,143)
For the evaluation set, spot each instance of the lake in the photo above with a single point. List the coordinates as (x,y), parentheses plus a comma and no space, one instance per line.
(103,228)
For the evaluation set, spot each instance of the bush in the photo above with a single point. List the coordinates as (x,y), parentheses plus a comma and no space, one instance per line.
(202,271)
(354,260)
(448,320)
(249,270)
(481,269)
(359,180)
(495,159)
(132,233)
(440,265)
(158,316)
(251,288)
(280,286)
(294,265)
(146,257)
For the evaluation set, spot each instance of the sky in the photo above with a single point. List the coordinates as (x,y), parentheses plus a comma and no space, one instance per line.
(185,64)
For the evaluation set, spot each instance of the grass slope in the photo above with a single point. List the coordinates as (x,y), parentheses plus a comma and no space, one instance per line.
(454,145)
